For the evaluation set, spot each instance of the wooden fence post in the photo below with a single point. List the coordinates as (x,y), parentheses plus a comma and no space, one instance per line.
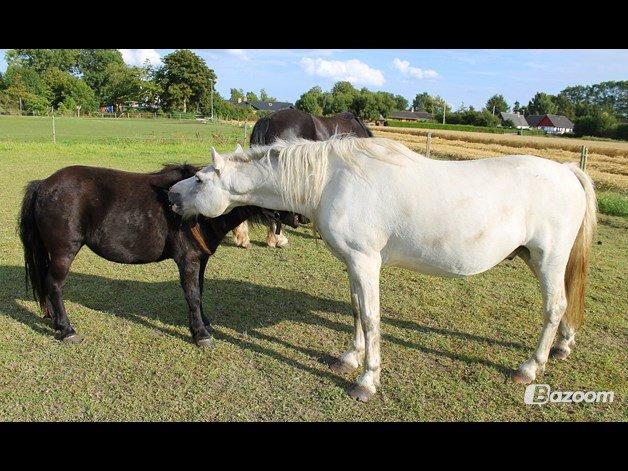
(54,131)
(584,153)
(429,144)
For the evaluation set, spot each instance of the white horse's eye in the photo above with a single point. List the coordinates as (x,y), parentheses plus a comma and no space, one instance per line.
(198,179)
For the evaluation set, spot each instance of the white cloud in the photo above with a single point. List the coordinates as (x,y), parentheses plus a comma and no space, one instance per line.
(239,53)
(140,56)
(407,70)
(353,70)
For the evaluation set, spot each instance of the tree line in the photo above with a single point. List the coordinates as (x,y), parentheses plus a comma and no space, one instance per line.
(83,80)
(72,80)
(596,110)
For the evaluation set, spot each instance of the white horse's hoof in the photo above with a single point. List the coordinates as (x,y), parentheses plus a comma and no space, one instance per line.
(361,393)
(522,378)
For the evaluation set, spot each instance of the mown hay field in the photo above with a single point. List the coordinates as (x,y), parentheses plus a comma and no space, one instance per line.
(448,345)
(607,160)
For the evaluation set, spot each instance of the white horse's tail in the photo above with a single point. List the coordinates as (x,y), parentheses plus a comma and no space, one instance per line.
(578,264)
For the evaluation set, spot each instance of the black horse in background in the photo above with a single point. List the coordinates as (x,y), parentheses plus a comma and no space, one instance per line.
(123,217)
(290,124)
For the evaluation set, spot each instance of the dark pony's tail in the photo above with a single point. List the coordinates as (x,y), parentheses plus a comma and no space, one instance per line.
(36,257)
(258,135)
(368,132)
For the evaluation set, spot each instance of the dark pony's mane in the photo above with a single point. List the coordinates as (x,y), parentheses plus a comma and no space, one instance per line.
(184,168)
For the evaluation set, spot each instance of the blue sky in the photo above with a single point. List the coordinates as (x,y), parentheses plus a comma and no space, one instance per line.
(469,76)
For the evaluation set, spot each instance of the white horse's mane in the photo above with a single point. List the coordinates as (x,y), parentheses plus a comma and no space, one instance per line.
(303,164)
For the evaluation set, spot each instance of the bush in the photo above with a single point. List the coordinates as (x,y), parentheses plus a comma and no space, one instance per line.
(601,125)
(621,132)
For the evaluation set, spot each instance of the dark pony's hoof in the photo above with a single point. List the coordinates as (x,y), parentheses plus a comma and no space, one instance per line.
(559,353)
(70,338)
(206,342)
(361,393)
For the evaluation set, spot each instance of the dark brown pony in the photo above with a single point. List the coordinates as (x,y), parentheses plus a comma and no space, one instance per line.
(123,217)
(290,124)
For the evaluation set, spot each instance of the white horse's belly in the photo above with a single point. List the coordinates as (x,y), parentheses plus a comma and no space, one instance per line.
(454,256)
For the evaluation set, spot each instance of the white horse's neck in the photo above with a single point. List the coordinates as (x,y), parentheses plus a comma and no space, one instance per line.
(266,191)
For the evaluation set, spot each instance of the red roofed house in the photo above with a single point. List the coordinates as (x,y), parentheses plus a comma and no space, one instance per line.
(550,123)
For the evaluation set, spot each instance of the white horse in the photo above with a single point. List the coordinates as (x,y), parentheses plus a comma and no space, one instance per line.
(375,202)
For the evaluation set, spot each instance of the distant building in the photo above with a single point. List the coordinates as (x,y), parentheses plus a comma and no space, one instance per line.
(517,119)
(262,105)
(550,123)
(270,106)
(411,115)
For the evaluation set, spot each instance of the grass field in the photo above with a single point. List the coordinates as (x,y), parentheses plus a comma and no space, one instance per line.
(280,315)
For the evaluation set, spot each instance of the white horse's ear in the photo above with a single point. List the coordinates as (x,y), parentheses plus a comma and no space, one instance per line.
(217,160)
(238,149)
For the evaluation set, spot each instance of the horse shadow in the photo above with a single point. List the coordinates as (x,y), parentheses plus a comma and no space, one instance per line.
(236,305)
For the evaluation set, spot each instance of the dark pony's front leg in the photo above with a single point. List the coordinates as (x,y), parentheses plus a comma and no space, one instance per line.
(189,269)
(201,283)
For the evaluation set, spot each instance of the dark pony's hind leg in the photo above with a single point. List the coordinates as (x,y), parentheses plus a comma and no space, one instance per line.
(189,269)
(57,274)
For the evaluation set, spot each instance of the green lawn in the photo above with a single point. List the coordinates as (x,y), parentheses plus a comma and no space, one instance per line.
(280,315)
(111,129)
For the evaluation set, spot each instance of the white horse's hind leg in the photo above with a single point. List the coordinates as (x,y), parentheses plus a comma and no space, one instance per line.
(354,357)
(364,276)
(564,343)
(551,273)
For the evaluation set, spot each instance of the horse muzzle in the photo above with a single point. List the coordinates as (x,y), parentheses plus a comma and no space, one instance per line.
(175,202)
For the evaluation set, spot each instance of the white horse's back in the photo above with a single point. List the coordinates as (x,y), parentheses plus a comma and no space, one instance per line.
(451,218)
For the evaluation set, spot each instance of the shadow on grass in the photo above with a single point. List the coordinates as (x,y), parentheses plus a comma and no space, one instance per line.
(237,305)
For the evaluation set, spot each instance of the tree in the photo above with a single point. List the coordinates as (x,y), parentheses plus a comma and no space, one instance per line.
(365,105)
(517,108)
(497,103)
(542,103)
(93,65)
(123,85)
(309,102)
(67,92)
(251,96)
(24,90)
(263,96)
(601,124)
(401,103)
(432,104)
(313,101)
(611,95)
(236,95)
(185,79)
(564,106)
(44,59)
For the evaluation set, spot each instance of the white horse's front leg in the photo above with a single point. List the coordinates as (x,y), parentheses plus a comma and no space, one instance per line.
(364,275)
(352,358)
